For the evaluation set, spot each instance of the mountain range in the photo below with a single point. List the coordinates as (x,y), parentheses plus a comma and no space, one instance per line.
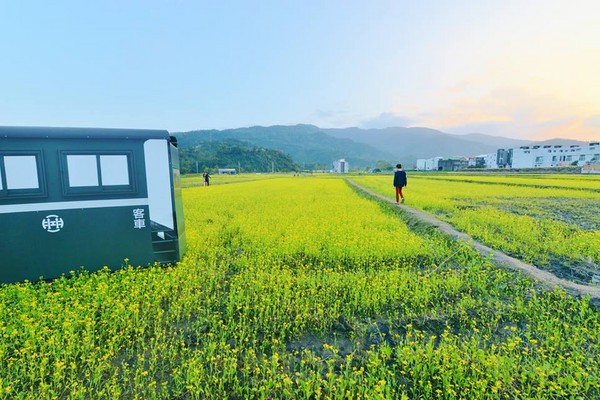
(309,145)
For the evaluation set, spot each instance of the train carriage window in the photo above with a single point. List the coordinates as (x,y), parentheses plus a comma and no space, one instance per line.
(114,170)
(93,173)
(21,172)
(82,170)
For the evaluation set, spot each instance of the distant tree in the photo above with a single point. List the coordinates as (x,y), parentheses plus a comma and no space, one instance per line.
(384,166)
(316,166)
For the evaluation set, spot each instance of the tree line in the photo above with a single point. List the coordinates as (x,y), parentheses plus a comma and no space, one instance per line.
(244,157)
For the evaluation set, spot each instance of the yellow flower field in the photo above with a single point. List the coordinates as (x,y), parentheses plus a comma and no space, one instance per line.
(298,287)
(538,180)
(555,228)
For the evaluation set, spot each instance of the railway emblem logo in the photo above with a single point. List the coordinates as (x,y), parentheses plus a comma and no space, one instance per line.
(52,223)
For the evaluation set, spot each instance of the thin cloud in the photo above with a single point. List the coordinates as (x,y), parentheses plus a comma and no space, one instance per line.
(332,119)
(386,120)
(515,112)
(593,122)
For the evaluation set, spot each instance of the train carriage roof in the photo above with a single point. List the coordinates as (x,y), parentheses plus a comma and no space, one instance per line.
(23,132)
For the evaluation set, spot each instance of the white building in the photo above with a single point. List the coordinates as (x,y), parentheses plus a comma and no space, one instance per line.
(555,155)
(476,161)
(491,160)
(428,164)
(534,156)
(341,166)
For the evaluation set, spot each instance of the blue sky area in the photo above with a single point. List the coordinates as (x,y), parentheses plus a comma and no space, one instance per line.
(512,68)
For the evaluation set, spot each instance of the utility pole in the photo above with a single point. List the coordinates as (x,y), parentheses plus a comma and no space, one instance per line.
(272,167)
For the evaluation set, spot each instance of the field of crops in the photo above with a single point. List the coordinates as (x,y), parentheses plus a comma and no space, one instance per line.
(300,287)
(585,182)
(555,228)
(197,179)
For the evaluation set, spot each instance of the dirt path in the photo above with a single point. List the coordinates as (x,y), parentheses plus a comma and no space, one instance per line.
(497,256)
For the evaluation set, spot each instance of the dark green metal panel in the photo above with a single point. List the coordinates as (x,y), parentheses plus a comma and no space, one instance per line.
(49,243)
(59,228)
(80,133)
(55,176)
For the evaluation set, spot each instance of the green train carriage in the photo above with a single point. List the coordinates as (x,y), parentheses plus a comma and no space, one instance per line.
(87,197)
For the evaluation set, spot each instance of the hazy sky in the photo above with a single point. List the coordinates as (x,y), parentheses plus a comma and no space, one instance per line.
(525,69)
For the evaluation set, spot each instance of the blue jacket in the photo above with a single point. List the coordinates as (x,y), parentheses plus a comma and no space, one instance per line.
(400,178)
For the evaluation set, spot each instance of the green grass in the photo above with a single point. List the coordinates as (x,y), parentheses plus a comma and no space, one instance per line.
(298,288)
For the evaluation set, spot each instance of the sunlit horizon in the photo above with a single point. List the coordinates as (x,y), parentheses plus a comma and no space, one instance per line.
(525,70)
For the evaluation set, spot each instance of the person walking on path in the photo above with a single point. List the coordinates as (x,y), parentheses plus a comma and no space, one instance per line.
(399,182)
(206,177)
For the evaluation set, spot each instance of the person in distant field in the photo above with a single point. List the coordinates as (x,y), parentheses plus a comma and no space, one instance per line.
(399,182)
(206,177)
